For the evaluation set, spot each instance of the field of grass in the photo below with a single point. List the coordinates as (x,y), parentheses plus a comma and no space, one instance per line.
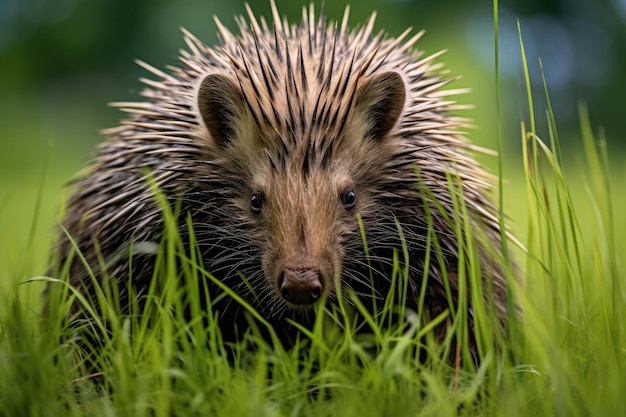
(564,354)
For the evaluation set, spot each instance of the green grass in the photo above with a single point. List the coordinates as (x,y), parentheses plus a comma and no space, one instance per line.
(563,354)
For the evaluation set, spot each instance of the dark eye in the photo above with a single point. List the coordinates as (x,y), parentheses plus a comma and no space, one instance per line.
(256,202)
(348,198)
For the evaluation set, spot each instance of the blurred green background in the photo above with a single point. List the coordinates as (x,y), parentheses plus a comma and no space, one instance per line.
(61,61)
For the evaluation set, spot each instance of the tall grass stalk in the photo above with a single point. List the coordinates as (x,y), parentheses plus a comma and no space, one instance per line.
(573,323)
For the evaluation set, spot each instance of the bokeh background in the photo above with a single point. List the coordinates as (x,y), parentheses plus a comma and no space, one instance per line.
(61,61)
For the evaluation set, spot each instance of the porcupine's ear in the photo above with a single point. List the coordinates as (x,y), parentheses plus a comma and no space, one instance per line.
(379,102)
(221,107)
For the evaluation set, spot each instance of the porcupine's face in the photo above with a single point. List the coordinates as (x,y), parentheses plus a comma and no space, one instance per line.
(302,188)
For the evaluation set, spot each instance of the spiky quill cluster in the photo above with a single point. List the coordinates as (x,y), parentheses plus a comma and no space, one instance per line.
(275,143)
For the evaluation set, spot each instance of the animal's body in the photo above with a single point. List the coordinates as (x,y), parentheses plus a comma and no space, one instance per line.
(276,144)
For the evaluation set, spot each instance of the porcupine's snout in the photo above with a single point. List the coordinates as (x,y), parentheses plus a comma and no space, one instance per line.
(301,287)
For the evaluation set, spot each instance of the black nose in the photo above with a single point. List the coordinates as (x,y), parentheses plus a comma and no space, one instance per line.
(301,286)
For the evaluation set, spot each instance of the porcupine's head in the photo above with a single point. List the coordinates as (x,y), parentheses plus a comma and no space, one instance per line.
(307,131)
(301,183)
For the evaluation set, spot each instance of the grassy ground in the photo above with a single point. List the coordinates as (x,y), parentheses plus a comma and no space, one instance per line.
(564,355)
(567,356)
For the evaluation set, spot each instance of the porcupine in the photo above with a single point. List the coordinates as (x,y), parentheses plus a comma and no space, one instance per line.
(278,145)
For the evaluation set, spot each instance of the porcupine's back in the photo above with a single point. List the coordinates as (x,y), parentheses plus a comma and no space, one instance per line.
(275,143)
